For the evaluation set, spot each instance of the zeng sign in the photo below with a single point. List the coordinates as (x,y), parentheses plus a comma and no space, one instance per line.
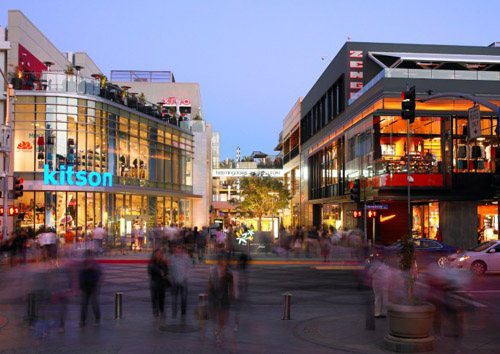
(355,72)
(81,178)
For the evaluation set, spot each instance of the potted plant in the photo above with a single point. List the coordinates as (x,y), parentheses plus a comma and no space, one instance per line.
(410,319)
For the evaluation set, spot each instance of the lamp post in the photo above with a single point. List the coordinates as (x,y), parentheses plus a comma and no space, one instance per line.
(6,152)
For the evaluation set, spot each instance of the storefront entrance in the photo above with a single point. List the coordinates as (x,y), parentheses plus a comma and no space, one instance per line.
(425,220)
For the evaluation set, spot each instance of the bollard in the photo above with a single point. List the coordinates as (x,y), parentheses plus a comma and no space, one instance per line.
(286,306)
(31,307)
(202,307)
(118,306)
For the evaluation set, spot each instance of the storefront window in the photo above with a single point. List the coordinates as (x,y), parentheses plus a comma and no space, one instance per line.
(473,155)
(424,150)
(487,221)
(332,215)
(426,221)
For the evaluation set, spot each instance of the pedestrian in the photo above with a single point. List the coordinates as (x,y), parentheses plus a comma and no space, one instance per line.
(89,278)
(220,292)
(325,246)
(180,270)
(201,243)
(159,283)
(380,274)
(98,236)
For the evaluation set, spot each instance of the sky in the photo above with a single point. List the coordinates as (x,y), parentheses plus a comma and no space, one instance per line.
(252,59)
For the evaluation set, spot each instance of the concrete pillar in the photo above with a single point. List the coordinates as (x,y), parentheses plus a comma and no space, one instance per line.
(458,223)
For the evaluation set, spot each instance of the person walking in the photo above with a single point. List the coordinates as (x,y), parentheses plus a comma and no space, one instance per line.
(220,292)
(380,274)
(159,282)
(98,236)
(89,278)
(201,243)
(180,270)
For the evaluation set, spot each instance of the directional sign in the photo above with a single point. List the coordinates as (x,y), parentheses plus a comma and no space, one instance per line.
(474,122)
(377,207)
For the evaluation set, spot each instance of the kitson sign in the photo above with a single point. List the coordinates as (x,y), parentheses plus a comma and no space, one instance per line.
(69,177)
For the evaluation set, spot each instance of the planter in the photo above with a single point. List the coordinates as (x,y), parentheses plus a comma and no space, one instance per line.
(410,321)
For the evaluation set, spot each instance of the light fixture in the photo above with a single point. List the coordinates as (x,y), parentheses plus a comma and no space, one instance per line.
(481,138)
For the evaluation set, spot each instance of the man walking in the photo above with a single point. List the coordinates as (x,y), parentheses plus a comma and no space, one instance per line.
(180,270)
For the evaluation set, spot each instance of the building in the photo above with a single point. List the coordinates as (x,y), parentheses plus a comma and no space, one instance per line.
(89,152)
(351,128)
(289,146)
(180,103)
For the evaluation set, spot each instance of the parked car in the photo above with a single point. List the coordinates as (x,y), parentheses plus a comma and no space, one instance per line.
(427,251)
(479,259)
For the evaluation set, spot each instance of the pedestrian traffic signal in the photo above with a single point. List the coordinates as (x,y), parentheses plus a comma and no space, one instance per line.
(357,214)
(356,190)
(18,187)
(408,104)
(13,211)
(372,213)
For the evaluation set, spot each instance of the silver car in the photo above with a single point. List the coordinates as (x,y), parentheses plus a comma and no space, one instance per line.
(479,259)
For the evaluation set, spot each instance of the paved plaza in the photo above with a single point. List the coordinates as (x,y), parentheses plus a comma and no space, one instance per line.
(327,315)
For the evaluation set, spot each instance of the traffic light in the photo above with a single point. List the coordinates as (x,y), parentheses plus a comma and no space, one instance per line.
(356,190)
(357,214)
(372,213)
(408,104)
(18,187)
(13,211)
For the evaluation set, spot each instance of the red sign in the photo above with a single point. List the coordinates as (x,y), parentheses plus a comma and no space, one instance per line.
(355,72)
(24,146)
(172,101)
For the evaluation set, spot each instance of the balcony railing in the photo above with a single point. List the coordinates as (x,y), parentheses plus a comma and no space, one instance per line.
(52,81)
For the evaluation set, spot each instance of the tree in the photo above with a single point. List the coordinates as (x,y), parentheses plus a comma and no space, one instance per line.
(261,196)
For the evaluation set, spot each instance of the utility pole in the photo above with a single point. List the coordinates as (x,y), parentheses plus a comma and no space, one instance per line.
(6,138)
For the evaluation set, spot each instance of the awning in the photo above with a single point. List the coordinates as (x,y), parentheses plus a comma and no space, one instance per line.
(432,57)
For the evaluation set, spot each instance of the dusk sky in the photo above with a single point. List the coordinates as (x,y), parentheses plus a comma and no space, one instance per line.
(252,59)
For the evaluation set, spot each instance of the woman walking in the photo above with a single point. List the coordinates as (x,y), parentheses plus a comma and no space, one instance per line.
(159,282)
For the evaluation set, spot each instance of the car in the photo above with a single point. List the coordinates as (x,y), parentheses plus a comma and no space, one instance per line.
(427,251)
(479,259)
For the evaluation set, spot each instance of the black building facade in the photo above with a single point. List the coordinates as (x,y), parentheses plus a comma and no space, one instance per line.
(351,128)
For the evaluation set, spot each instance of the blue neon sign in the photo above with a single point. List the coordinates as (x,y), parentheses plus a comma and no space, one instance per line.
(81,178)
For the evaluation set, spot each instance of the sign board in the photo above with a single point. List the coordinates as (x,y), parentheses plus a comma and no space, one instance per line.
(474,122)
(247,172)
(5,138)
(377,206)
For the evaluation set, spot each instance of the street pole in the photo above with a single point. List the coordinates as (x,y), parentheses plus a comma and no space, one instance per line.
(6,154)
(409,176)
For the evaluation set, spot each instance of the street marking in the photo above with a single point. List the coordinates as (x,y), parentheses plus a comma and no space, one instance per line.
(468,301)
(339,267)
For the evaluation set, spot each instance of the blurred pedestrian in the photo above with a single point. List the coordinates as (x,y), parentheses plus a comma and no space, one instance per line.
(180,270)
(220,292)
(380,274)
(201,243)
(325,247)
(240,279)
(89,279)
(98,235)
(159,282)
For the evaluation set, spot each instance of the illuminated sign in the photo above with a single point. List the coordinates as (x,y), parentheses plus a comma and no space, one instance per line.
(173,102)
(246,172)
(372,213)
(243,237)
(385,218)
(355,72)
(81,178)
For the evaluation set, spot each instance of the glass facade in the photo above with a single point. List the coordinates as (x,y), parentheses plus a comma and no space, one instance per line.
(58,132)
